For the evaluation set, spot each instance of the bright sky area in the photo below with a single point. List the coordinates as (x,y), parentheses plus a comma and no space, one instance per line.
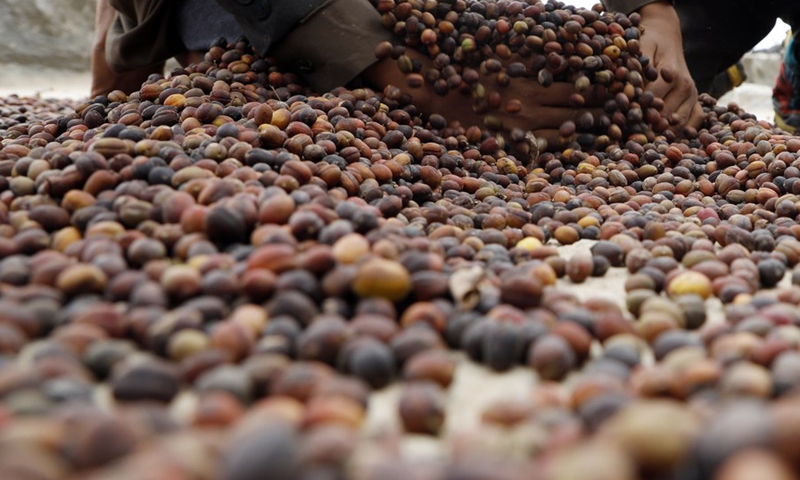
(776,36)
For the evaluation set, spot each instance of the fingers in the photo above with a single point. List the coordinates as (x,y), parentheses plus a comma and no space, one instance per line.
(556,95)
(697,116)
(680,99)
(552,117)
(555,141)
(550,135)
(659,88)
(679,95)
(680,104)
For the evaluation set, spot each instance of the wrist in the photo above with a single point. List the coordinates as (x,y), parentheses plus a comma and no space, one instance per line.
(660,9)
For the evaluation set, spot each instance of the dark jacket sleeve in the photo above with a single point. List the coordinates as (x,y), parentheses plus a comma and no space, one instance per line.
(334,44)
(626,6)
(265,22)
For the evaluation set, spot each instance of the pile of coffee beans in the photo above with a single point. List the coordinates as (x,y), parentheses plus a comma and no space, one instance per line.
(228,275)
(479,47)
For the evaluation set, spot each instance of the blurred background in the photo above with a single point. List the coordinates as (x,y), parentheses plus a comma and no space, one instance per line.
(45,49)
(45,46)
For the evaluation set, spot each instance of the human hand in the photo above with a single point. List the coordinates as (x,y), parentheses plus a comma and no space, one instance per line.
(662,42)
(550,113)
(522,105)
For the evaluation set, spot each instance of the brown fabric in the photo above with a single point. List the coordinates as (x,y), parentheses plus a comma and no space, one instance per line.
(627,6)
(334,44)
(141,34)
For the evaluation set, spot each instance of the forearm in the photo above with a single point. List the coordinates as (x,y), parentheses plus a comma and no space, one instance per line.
(104,16)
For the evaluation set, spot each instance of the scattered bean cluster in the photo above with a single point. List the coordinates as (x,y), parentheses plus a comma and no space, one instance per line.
(218,276)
